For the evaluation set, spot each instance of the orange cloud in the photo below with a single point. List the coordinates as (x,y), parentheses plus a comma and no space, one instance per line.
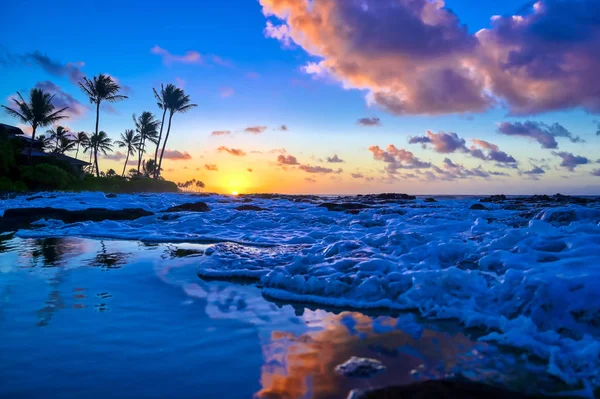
(233,151)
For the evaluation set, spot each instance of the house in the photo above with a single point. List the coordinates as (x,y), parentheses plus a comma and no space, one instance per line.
(37,153)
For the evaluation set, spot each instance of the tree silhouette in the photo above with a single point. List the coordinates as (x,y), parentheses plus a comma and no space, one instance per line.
(100,88)
(130,140)
(38,111)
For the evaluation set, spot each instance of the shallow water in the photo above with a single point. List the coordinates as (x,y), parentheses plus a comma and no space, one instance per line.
(123,319)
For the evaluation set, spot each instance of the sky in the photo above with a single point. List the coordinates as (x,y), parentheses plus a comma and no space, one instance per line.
(333,96)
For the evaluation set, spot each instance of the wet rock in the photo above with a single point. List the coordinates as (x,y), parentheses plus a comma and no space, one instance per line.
(395,196)
(494,198)
(110,195)
(190,207)
(441,389)
(250,208)
(562,217)
(477,207)
(18,218)
(343,206)
(429,200)
(360,367)
(34,197)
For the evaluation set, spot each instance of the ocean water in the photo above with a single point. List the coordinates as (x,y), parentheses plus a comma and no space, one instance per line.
(244,303)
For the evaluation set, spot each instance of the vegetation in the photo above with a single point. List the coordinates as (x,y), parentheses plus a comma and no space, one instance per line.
(37,112)
(193,184)
(56,173)
(175,101)
(100,88)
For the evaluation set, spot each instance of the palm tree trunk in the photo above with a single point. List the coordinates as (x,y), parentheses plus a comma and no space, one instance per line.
(125,166)
(159,138)
(141,151)
(96,145)
(77,152)
(164,145)
(31,144)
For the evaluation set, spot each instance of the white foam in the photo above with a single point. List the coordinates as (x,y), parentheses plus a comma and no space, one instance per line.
(530,278)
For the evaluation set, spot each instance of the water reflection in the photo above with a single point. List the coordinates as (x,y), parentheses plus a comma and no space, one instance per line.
(302,366)
(109,260)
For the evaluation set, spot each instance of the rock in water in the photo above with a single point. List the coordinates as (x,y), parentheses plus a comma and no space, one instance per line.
(477,207)
(343,206)
(360,367)
(440,389)
(190,207)
(18,218)
(250,208)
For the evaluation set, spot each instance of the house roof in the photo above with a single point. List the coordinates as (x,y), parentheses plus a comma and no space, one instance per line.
(61,157)
(4,128)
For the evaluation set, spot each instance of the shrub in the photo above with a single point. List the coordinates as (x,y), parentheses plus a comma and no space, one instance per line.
(7,185)
(46,177)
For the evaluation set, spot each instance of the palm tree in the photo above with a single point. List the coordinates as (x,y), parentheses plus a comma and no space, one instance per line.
(65,143)
(100,88)
(56,135)
(44,141)
(149,167)
(177,102)
(162,100)
(130,140)
(147,128)
(37,112)
(82,139)
(200,185)
(100,143)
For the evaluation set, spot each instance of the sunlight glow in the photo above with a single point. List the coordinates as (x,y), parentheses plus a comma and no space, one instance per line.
(235,193)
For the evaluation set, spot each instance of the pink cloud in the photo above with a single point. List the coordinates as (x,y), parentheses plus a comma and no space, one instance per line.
(176,155)
(220,132)
(189,57)
(255,129)
(287,160)
(226,92)
(211,167)
(233,151)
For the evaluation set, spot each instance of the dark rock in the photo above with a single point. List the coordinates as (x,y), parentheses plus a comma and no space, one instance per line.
(34,197)
(110,195)
(360,367)
(395,196)
(562,217)
(429,200)
(190,207)
(477,207)
(494,198)
(442,389)
(250,208)
(343,206)
(19,218)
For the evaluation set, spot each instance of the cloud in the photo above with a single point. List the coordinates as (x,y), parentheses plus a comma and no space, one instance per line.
(252,75)
(357,175)
(233,151)
(369,121)
(444,143)
(452,171)
(62,99)
(535,171)
(412,56)
(283,128)
(225,92)
(116,156)
(220,61)
(597,123)
(538,131)
(255,129)
(417,57)
(595,172)
(211,167)
(287,160)
(279,32)
(318,169)
(220,132)
(71,70)
(334,159)
(310,180)
(190,57)
(490,152)
(249,170)
(176,155)
(397,158)
(545,59)
(571,161)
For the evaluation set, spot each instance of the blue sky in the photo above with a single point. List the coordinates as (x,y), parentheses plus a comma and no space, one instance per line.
(248,79)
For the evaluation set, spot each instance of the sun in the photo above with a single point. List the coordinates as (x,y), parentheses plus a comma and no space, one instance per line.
(235,193)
